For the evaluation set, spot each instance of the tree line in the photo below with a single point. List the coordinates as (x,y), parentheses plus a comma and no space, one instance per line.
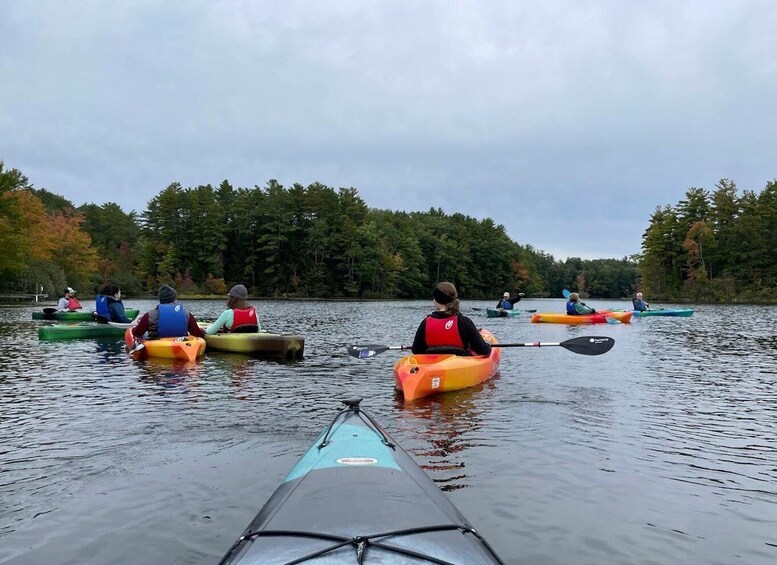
(714,246)
(297,241)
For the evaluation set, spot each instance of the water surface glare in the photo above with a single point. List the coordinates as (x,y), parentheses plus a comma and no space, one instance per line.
(662,451)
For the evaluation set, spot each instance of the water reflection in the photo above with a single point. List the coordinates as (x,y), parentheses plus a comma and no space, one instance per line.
(449,424)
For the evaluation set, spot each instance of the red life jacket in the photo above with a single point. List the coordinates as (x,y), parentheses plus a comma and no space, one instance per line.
(245,317)
(73,304)
(443,332)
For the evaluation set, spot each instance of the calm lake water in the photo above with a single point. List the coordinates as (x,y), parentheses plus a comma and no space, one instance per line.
(662,451)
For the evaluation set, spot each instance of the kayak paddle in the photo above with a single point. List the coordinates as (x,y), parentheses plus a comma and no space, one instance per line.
(585,345)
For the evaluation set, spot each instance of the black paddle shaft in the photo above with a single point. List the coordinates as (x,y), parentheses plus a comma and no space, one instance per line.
(585,345)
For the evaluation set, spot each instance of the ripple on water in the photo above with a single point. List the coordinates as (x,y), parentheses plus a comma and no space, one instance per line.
(661,451)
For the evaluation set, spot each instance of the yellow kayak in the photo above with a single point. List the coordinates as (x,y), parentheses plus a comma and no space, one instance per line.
(283,345)
(187,348)
(598,318)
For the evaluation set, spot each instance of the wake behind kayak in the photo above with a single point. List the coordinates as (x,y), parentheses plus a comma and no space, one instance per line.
(357,497)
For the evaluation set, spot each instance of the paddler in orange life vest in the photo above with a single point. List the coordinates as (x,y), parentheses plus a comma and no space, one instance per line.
(446,330)
(239,317)
(168,318)
(68,302)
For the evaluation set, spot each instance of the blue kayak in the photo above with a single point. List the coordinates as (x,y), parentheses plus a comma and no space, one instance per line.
(357,497)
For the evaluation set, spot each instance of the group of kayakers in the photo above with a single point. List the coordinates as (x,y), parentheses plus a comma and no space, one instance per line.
(169,318)
(444,330)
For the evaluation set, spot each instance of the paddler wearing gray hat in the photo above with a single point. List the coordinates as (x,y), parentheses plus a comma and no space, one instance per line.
(239,317)
(169,318)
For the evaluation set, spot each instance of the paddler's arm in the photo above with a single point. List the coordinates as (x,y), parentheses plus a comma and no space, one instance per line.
(227,317)
(419,342)
(193,328)
(139,330)
(471,337)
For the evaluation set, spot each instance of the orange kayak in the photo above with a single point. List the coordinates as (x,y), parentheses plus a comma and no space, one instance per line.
(598,318)
(430,373)
(187,348)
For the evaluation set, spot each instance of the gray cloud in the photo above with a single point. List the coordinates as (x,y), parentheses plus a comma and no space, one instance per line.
(568,122)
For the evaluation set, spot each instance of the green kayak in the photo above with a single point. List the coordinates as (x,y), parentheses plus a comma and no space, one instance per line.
(80,331)
(80,316)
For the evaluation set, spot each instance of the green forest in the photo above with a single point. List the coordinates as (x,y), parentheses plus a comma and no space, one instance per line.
(316,241)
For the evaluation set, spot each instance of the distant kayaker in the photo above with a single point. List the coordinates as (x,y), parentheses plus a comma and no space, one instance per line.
(577,308)
(640,304)
(108,304)
(507,303)
(239,317)
(446,328)
(68,302)
(168,318)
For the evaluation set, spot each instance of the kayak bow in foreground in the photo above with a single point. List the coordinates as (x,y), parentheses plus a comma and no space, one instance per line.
(357,497)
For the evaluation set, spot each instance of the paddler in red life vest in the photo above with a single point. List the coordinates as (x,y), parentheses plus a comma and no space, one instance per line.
(168,318)
(239,317)
(446,330)
(68,302)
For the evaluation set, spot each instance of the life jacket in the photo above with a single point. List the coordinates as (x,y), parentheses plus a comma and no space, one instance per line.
(505,305)
(638,304)
(73,304)
(443,332)
(244,321)
(102,306)
(571,310)
(173,320)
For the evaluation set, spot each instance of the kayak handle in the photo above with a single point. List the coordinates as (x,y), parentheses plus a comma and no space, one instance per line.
(353,406)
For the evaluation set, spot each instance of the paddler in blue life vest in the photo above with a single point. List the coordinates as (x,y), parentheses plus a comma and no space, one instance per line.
(239,317)
(639,304)
(507,303)
(577,308)
(68,302)
(168,318)
(446,329)
(108,305)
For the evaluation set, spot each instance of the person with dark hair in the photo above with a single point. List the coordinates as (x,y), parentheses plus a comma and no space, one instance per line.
(639,304)
(577,308)
(239,317)
(168,318)
(507,303)
(108,305)
(68,302)
(446,329)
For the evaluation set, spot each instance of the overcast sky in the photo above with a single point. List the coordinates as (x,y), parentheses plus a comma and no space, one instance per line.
(567,122)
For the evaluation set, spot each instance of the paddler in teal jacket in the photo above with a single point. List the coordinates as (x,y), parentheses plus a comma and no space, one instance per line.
(577,308)
(239,315)
(639,304)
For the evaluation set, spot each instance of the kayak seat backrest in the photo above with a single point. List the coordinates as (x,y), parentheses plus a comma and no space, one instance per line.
(448,350)
(100,319)
(246,329)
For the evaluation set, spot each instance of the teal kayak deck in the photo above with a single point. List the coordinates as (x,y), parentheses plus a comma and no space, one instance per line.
(674,312)
(501,313)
